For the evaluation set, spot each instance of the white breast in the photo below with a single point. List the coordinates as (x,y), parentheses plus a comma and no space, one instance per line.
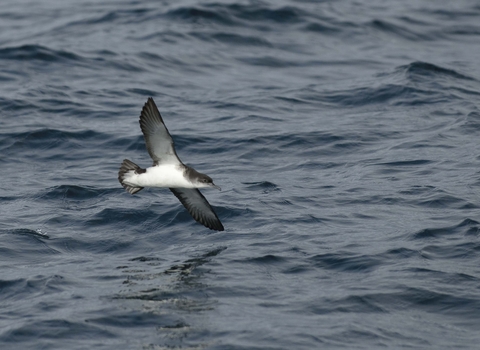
(167,175)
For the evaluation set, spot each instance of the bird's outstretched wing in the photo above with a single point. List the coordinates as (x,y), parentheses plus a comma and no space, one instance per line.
(157,138)
(198,207)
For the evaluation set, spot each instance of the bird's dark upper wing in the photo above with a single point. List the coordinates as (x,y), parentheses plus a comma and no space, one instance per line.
(157,138)
(198,207)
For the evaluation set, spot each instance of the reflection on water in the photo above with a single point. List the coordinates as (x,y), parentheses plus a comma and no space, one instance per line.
(175,293)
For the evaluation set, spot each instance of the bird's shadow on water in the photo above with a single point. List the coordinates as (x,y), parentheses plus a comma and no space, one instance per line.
(180,285)
(174,299)
(185,269)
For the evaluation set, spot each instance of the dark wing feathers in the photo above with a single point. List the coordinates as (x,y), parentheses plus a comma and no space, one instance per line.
(198,207)
(157,138)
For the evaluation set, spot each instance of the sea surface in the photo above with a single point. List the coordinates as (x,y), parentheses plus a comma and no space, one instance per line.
(345,136)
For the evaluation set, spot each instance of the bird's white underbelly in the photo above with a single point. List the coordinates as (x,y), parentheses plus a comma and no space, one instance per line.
(168,175)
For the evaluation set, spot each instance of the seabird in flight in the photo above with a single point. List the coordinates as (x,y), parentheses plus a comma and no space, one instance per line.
(168,170)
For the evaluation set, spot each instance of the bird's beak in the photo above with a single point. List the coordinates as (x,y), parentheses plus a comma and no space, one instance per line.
(217,187)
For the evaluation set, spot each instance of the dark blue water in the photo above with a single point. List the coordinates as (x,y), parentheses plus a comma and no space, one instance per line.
(345,137)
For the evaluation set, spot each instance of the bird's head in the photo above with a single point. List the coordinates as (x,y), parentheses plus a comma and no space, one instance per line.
(206,181)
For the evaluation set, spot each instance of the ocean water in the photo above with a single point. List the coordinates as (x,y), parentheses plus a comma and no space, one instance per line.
(344,135)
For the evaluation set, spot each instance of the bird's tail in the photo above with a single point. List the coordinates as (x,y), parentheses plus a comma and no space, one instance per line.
(126,169)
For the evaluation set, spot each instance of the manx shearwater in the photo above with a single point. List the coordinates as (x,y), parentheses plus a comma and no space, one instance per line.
(168,170)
